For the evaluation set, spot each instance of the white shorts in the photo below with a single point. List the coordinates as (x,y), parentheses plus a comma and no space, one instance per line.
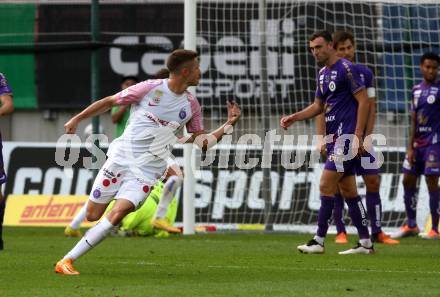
(116,181)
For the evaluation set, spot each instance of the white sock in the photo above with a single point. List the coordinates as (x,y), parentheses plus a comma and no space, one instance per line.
(79,218)
(168,192)
(366,242)
(94,236)
(319,239)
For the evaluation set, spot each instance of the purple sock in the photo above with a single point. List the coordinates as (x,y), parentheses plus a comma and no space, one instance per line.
(410,199)
(358,216)
(338,214)
(324,215)
(374,209)
(433,206)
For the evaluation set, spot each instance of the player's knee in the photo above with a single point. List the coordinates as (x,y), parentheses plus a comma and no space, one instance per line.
(116,215)
(92,216)
(408,182)
(432,183)
(373,184)
(326,189)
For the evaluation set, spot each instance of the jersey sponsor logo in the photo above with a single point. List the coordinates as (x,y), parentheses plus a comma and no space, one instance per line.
(422,120)
(156,99)
(430,99)
(330,118)
(332,86)
(108,173)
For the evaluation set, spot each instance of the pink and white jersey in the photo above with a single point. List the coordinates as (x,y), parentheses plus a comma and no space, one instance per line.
(156,116)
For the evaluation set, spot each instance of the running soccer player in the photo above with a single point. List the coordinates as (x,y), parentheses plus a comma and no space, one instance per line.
(174,176)
(7,107)
(137,159)
(345,48)
(342,95)
(423,154)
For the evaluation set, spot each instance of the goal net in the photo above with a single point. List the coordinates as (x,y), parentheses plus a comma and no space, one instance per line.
(240,60)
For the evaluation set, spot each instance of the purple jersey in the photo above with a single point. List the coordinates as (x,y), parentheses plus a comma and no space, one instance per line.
(335,87)
(366,75)
(426,106)
(4,87)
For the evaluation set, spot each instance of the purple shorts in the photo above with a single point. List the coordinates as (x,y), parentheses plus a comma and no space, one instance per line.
(336,161)
(370,166)
(427,161)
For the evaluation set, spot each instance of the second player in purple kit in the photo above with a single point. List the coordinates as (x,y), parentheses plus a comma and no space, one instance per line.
(423,153)
(342,95)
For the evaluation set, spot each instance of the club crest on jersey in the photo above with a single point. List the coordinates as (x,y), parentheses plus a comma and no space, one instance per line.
(96,193)
(332,86)
(182,113)
(430,99)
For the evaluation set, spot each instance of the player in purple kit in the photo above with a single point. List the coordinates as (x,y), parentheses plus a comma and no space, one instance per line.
(345,48)
(342,95)
(423,155)
(7,106)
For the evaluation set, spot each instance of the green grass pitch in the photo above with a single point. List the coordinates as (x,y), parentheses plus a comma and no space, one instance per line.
(250,264)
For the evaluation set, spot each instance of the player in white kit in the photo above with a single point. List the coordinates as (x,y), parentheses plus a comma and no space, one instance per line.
(138,158)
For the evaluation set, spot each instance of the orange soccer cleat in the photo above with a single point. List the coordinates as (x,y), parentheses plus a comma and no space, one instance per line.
(406,231)
(431,235)
(64,266)
(381,237)
(341,238)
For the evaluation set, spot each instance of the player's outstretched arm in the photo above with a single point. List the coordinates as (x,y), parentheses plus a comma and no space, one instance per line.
(96,108)
(206,140)
(307,113)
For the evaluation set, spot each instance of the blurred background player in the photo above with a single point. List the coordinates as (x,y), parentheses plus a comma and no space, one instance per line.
(120,114)
(137,223)
(7,107)
(121,178)
(174,177)
(345,48)
(423,154)
(342,95)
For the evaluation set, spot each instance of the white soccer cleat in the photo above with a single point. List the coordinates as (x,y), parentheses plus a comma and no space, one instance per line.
(312,247)
(358,249)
